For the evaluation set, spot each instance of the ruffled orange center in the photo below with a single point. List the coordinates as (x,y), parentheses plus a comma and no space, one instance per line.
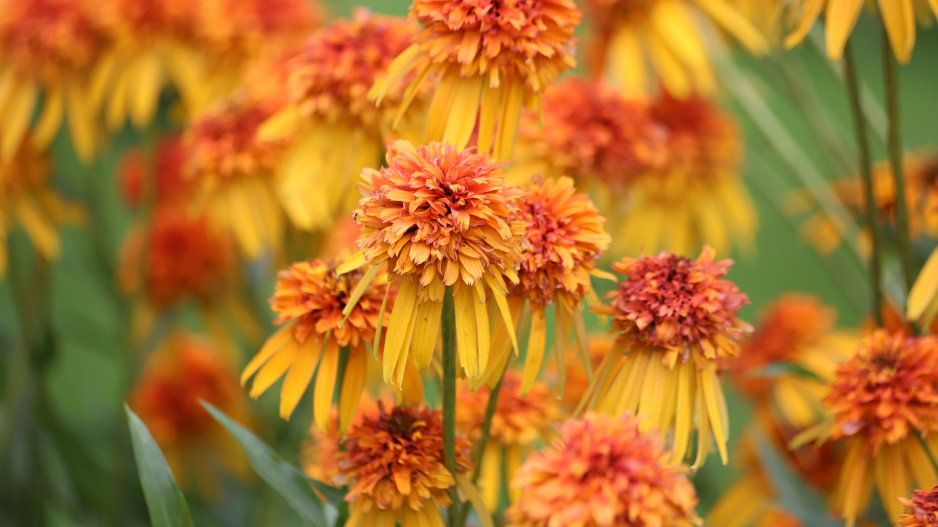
(921,510)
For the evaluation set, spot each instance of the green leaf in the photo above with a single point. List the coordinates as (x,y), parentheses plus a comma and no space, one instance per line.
(285,478)
(334,495)
(783,369)
(165,501)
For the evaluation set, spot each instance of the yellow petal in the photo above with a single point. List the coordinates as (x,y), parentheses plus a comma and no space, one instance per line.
(353,262)
(535,354)
(684,417)
(17,113)
(472,494)
(49,121)
(709,385)
(356,371)
(274,368)
(839,21)
(513,98)
(280,125)
(924,290)
(467,345)
(736,24)
(808,16)
(491,103)
(426,330)
(297,380)
(360,289)
(325,384)
(462,115)
(899,19)
(401,316)
(145,82)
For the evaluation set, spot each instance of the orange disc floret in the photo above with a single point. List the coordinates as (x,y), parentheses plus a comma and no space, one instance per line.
(921,510)
(172,187)
(887,391)
(137,20)
(394,466)
(603,472)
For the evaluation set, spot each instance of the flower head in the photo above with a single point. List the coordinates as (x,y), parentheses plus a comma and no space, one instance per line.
(491,55)
(245,29)
(603,472)
(921,510)
(440,217)
(309,299)
(170,186)
(394,465)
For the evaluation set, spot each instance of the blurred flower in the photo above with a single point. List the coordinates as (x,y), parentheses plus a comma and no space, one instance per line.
(521,421)
(921,510)
(338,130)
(319,454)
(235,172)
(183,372)
(170,186)
(393,464)
(841,16)
(676,319)
(440,217)
(589,132)
(578,380)
(492,57)
(796,337)
(47,47)
(641,44)
(565,236)
(309,300)
(603,472)
(28,199)
(697,196)
(884,404)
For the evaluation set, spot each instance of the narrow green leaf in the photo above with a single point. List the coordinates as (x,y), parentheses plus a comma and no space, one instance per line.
(783,369)
(285,478)
(165,501)
(334,495)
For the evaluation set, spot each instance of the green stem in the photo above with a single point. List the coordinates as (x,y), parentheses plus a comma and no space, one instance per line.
(449,397)
(903,239)
(340,378)
(863,152)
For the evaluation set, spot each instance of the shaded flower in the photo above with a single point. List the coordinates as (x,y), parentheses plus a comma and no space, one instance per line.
(642,44)
(603,472)
(338,130)
(492,58)
(921,510)
(440,218)
(170,184)
(394,466)
(676,320)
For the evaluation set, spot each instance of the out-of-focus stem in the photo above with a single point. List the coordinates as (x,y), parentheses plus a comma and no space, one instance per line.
(863,152)
(449,397)
(339,381)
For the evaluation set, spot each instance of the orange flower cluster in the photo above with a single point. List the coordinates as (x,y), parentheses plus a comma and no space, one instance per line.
(603,472)
(921,510)
(170,185)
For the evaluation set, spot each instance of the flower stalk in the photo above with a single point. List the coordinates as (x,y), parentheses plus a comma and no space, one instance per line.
(449,395)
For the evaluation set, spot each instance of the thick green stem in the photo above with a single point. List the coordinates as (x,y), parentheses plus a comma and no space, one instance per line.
(903,240)
(340,377)
(863,152)
(449,396)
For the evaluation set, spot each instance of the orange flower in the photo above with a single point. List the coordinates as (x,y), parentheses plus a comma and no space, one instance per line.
(319,454)
(565,236)
(677,320)
(921,510)
(440,217)
(184,371)
(394,466)
(603,472)
(492,57)
(170,186)
(243,30)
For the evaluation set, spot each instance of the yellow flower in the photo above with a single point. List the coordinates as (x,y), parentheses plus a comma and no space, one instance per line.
(47,47)
(922,304)
(309,299)
(565,236)
(840,16)
(440,218)
(641,44)
(676,320)
(338,130)
(492,57)
(603,472)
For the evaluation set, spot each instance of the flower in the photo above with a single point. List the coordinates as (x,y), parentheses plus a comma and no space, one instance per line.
(565,236)
(319,454)
(641,44)
(697,196)
(492,57)
(440,217)
(338,130)
(922,305)
(796,331)
(840,18)
(677,320)
(921,510)
(170,186)
(588,131)
(309,300)
(520,422)
(47,47)
(235,172)
(883,404)
(603,472)
(394,466)
(184,371)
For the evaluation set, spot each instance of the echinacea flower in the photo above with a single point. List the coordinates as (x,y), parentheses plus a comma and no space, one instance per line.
(565,236)
(603,472)
(184,371)
(337,130)
(393,463)
(492,57)
(235,172)
(319,454)
(921,510)
(520,423)
(676,322)
(47,48)
(641,44)
(444,222)
(840,17)
(697,197)
(884,407)
(588,131)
